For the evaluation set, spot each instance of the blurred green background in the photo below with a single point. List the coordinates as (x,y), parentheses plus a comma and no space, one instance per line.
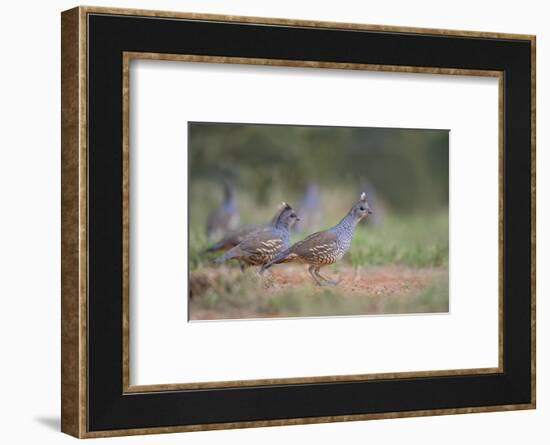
(405,173)
(408,168)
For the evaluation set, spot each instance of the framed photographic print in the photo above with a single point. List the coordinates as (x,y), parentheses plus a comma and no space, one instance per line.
(274,222)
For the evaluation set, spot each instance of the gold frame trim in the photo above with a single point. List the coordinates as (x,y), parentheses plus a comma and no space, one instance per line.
(74,213)
(74,223)
(306,421)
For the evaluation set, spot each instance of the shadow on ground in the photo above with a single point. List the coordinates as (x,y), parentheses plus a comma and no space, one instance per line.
(49,422)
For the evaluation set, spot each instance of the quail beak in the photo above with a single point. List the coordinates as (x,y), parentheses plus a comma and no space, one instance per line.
(369,211)
(298,219)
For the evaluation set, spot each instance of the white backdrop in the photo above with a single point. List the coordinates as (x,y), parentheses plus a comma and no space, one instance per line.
(29,239)
(164,96)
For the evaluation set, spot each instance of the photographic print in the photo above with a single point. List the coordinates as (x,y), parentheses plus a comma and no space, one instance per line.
(309,221)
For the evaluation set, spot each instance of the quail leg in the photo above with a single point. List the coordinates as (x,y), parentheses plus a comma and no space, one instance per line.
(311,270)
(325,280)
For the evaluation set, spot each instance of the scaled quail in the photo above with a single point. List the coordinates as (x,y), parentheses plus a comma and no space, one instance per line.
(260,247)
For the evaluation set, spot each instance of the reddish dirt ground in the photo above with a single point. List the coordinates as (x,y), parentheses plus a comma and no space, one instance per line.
(373,280)
(366,290)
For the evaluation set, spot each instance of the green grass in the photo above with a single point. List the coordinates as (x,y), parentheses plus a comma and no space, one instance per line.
(415,241)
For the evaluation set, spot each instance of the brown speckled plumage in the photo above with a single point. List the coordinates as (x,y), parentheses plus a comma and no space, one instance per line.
(257,250)
(235,237)
(320,248)
(262,246)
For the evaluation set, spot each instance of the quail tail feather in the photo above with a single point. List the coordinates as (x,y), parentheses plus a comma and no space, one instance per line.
(276,259)
(214,247)
(231,253)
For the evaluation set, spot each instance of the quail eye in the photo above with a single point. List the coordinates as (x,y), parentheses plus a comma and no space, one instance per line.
(362,208)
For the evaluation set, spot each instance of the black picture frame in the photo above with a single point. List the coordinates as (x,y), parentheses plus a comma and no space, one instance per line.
(94,400)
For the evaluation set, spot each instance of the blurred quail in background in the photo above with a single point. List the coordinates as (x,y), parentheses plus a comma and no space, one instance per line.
(309,209)
(326,247)
(225,217)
